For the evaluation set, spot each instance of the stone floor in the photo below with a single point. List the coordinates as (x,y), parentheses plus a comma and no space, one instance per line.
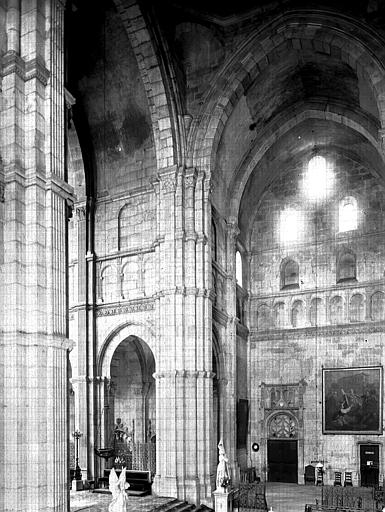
(87,501)
(290,497)
(281,497)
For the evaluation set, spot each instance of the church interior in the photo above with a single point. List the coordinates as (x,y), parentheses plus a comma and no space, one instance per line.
(192,249)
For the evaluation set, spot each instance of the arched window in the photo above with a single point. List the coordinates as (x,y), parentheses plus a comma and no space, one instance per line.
(108,284)
(289,275)
(346,267)
(377,306)
(336,310)
(347,214)
(129,277)
(239,268)
(263,317)
(318,179)
(297,314)
(213,241)
(279,315)
(316,312)
(356,308)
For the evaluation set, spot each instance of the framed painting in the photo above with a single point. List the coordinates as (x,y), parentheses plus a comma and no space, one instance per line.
(352,400)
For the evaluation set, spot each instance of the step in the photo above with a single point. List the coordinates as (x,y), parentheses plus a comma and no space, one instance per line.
(175,505)
(180,506)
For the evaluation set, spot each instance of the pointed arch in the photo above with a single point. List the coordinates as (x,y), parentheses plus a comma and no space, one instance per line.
(301,29)
(116,336)
(162,96)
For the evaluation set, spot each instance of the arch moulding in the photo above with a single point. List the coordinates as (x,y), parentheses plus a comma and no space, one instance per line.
(298,30)
(116,336)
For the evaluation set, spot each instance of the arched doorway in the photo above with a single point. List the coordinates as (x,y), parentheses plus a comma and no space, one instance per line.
(132,411)
(282,448)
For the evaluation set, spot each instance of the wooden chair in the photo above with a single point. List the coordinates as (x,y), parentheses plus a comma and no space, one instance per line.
(337,478)
(309,475)
(348,479)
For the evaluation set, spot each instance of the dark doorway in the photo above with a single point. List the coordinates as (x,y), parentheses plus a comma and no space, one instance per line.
(282,459)
(369,464)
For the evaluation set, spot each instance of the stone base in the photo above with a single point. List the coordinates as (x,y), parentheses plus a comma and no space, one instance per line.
(77,485)
(223,501)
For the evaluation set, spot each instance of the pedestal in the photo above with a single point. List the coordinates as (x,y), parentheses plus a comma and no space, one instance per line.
(77,485)
(223,500)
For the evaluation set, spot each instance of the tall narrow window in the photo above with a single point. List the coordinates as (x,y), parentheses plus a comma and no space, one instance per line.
(336,310)
(297,314)
(239,268)
(317,180)
(316,316)
(108,284)
(289,274)
(356,308)
(279,315)
(347,214)
(346,267)
(377,306)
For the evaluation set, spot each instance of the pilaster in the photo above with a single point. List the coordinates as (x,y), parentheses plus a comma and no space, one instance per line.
(230,433)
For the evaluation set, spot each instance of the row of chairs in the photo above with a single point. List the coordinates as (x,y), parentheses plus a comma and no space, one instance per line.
(348,482)
(314,476)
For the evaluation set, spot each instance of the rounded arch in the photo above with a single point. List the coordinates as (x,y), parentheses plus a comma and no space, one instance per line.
(275,131)
(297,313)
(346,265)
(377,306)
(336,309)
(286,427)
(116,336)
(307,29)
(357,307)
(264,316)
(289,273)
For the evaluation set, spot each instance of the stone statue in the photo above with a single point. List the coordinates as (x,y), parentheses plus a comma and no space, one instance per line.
(223,472)
(118,487)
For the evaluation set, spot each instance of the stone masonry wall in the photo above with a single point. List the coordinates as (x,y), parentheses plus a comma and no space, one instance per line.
(297,332)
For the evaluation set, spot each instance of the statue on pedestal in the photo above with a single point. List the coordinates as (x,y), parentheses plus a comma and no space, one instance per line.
(118,487)
(223,470)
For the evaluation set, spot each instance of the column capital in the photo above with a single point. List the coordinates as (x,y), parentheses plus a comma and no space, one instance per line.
(185,374)
(168,178)
(232,227)
(190,177)
(81,212)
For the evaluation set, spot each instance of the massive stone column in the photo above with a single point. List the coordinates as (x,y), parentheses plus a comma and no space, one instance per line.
(183,376)
(34,345)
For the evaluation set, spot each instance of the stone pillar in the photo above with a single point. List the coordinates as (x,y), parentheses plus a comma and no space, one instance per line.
(183,375)
(79,333)
(34,345)
(230,423)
